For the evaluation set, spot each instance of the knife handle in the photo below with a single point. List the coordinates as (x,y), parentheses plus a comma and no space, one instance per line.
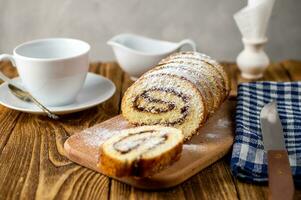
(281,185)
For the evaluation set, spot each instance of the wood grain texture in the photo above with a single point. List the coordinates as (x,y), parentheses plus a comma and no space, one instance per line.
(32,162)
(293,69)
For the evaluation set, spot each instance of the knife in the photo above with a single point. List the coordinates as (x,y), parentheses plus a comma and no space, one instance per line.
(281,185)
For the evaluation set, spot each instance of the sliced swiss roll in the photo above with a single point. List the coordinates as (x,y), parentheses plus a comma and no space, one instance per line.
(182,92)
(141,151)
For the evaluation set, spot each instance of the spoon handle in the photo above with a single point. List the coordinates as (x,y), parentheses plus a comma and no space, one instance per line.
(48,112)
(16,91)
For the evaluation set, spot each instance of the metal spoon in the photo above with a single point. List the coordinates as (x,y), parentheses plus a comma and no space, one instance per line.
(26,96)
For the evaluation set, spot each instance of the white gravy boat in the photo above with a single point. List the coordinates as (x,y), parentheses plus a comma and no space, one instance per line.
(137,54)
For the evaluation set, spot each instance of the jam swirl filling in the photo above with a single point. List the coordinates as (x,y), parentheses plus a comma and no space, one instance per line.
(149,103)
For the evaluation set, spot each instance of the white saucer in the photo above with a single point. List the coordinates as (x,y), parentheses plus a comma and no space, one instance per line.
(96,90)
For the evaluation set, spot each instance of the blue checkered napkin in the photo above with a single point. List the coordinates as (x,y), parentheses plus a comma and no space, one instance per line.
(249,160)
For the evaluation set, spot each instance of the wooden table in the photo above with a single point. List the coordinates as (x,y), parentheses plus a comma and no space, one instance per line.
(32,162)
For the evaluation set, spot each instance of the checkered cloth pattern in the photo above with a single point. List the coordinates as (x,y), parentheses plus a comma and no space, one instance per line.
(249,160)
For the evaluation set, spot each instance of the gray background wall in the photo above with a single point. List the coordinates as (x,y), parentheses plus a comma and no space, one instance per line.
(209,22)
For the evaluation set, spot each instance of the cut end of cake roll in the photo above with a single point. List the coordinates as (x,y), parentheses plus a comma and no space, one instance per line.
(167,100)
(182,91)
(141,151)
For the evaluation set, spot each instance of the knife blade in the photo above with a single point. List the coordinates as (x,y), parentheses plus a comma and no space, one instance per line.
(271,127)
(280,178)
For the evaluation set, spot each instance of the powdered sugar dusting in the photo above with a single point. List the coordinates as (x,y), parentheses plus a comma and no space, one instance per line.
(194,148)
(120,124)
(195,55)
(200,71)
(95,137)
(163,82)
(188,55)
(200,57)
(180,72)
(223,123)
(149,141)
(156,139)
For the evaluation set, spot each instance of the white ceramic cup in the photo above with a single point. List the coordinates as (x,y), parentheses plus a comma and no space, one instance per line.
(53,70)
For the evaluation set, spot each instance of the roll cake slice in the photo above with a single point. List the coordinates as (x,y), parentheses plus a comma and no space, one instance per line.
(141,151)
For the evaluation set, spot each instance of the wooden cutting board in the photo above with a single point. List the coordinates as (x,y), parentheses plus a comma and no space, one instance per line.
(213,142)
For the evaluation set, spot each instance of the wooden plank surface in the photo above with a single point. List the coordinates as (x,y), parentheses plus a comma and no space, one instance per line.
(33,165)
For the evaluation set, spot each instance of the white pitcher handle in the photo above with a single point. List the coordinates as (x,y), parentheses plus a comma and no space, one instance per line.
(188,42)
(12,60)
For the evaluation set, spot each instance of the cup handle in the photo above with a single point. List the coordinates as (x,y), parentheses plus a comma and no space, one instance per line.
(188,42)
(12,60)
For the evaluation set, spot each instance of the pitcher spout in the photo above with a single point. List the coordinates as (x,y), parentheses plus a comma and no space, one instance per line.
(113,42)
